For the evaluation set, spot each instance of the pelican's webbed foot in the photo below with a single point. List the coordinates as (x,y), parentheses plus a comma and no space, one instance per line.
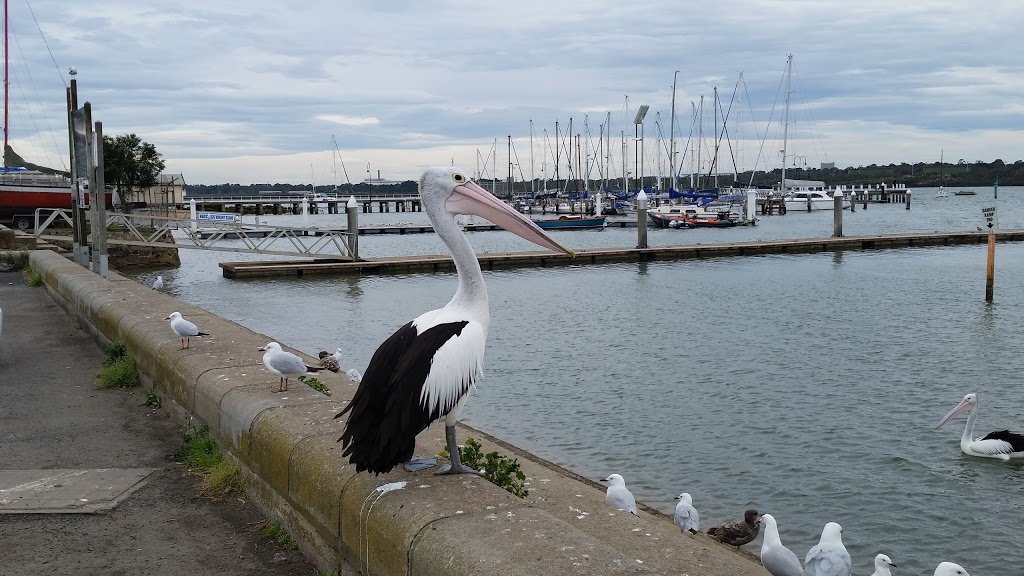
(417,463)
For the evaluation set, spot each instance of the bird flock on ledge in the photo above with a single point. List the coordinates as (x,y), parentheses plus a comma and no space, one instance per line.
(423,373)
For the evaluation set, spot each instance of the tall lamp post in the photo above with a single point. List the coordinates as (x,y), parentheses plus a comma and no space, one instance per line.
(639,131)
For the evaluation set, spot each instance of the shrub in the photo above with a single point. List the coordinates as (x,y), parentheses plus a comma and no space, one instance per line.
(315,385)
(499,470)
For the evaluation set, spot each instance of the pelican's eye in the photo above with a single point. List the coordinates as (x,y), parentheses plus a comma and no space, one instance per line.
(458,178)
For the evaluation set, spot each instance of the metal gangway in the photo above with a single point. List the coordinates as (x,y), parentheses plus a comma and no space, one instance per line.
(205,233)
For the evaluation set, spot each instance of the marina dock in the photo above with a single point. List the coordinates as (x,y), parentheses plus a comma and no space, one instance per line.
(505,260)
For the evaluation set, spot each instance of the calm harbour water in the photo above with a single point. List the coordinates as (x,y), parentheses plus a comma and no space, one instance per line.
(808,386)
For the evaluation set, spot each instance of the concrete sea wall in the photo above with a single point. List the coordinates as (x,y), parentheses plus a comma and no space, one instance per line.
(393,524)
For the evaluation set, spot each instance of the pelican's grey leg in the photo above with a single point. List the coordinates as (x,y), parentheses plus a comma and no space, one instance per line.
(456,466)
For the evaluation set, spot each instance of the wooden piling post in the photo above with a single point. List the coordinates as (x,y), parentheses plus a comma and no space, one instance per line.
(990,269)
(908,199)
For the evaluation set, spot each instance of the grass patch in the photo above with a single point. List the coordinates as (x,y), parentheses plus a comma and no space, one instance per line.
(33,279)
(201,455)
(152,399)
(18,261)
(315,384)
(222,479)
(119,370)
(276,532)
(499,470)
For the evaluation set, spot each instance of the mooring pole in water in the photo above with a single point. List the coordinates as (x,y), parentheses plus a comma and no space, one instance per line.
(641,220)
(990,269)
(352,211)
(837,209)
(908,199)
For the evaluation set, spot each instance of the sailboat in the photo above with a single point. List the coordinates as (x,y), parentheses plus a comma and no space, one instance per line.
(25,187)
(807,198)
(942,185)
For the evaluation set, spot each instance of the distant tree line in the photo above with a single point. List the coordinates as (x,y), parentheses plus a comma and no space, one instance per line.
(919,175)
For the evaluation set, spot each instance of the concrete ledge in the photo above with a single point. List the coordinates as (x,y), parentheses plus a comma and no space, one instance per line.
(286,445)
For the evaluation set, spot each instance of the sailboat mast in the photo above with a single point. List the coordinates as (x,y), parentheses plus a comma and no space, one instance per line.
(7,85)
(672,137)
(533,181)
(785,121)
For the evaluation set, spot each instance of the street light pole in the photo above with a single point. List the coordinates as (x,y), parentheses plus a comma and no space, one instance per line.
(639,130)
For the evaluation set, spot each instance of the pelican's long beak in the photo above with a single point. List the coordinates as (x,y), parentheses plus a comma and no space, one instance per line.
(963,405)
(469,198)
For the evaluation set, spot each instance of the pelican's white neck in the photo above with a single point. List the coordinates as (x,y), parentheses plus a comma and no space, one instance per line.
(968,436)
(472,292)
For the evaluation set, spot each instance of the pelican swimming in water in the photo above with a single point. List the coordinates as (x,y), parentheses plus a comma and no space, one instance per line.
(424,371)
(950,569)
(776,558)
(828,557)
(1001,444)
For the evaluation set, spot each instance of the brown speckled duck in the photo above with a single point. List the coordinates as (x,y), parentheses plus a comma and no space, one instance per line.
(739,532)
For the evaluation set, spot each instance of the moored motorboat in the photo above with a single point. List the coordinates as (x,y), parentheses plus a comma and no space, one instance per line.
(571,223)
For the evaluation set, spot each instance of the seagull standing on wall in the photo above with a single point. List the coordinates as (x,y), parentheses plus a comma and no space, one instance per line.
(424,371)
(1001,444)
(829,557)
(184,329)
(686,516)
(618,495)
(284,365)
(775,557)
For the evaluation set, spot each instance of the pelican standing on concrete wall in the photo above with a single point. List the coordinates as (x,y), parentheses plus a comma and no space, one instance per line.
(424,371)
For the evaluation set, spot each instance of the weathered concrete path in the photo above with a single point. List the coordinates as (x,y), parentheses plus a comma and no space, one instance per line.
(53,417)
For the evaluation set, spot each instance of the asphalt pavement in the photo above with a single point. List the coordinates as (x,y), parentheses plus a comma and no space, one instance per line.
(55,423)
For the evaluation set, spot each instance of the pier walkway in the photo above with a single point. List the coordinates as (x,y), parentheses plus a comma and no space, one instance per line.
(502,260)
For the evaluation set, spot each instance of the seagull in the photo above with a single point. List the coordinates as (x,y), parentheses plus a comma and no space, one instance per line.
(184,329)
(829,557)
(329,362)
(337,356)
(284,364)
(776,558)
(1001,444)
(738,532)
(950,569)
(424,371)
(354,375)
(882,565)
(158,284)
(686,516)
(618,495)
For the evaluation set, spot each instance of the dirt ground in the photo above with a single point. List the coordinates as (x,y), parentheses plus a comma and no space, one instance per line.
(52,416)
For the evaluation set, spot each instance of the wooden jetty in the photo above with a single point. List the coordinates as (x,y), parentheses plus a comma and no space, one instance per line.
(505,260)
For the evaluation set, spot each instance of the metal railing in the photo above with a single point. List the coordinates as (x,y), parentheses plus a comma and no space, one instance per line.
(151,231)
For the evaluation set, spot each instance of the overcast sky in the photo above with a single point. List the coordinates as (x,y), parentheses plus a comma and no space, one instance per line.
(253,91)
